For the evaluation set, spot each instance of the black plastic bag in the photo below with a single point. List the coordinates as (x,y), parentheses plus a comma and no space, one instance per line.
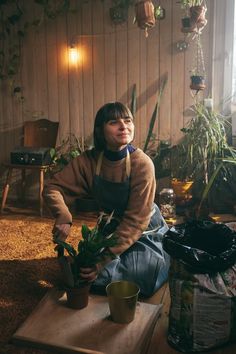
(204,246)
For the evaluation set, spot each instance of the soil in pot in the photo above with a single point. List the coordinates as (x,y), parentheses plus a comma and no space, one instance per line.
(77,298)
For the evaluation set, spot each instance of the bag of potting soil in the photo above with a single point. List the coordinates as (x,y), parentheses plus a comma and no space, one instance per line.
(202,281)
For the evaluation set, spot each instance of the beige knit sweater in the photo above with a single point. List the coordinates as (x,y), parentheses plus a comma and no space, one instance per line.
(76,179)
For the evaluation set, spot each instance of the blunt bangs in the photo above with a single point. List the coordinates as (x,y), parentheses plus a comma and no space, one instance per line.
(110,111)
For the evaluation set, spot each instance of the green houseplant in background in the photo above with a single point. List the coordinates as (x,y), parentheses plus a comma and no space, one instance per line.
(203,144)
(93,248)
(69,148)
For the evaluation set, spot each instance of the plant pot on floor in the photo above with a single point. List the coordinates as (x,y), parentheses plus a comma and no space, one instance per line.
(182,190)
(77,298)
(197,82)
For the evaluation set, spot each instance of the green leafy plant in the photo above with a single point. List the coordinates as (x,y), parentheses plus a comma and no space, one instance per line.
(204,142)
(70,148)
(93,248)
(15,24)
(150,136)
(189,3)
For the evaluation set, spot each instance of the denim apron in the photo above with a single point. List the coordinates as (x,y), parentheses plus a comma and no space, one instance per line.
(145,262)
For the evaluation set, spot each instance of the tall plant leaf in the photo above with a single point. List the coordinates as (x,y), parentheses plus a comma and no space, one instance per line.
(133,106)
(154,115)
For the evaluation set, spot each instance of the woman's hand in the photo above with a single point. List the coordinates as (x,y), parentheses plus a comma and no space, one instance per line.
(60,232)
(90,274)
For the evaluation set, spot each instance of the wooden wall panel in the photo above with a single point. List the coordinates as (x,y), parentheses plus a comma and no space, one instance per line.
(177,80)
(52,78)
(121,77)
(165,70)
(63,84)
(109,58)
(74,73)
(152,79)
(98,55)
(133,66)
(114,58)
(87,45)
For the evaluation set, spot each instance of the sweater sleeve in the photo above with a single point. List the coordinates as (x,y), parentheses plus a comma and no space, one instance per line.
(138,213)
(73,182)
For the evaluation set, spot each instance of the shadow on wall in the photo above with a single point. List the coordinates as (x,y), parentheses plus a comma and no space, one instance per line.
(151,91)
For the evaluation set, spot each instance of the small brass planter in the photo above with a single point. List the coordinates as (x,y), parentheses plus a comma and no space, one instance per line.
(122,298)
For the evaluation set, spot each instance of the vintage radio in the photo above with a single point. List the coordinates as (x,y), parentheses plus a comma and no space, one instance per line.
(31,156)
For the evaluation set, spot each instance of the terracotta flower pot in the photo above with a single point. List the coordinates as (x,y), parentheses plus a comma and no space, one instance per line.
(197,15)
(77,298)
(144,11)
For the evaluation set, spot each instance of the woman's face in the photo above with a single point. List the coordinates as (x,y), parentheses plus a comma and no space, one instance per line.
(118,133)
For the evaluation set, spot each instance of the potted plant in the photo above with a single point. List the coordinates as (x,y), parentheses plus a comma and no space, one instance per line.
(119,11)
(70,147)
(198,73)
(197,12)
(187,25)
(194,15)
(92,249)
(159,12)
(145,14)
(204,142)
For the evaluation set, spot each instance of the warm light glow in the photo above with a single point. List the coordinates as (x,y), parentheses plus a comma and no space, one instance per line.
(75,56)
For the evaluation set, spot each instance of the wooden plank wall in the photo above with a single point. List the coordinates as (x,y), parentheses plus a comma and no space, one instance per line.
(114,58)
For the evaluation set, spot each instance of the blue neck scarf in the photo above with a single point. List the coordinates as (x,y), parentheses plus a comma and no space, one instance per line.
(118,155)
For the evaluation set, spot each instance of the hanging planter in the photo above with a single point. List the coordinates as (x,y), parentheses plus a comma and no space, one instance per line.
(187,25)
(197,15)
(197,82)
(118,14)
(194,15)
(144,15)
(199,71)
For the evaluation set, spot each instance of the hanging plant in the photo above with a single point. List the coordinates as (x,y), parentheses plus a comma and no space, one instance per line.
(198,72)
(159,12)
(197,16)
(144,15)
(15,24)
(119,11)
(194,19)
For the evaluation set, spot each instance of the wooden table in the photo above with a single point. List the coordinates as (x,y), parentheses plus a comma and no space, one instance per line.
(54,326)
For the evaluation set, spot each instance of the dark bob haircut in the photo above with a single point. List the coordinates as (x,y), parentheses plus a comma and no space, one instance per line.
(109,111)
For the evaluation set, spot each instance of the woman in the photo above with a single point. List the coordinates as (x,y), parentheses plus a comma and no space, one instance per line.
(122,179)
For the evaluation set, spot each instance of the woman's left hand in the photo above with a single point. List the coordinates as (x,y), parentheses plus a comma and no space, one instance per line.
(90,274)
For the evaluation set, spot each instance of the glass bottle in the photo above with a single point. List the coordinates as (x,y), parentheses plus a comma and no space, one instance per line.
(167,203)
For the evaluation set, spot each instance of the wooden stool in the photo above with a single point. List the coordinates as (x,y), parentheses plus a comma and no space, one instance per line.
(41,170)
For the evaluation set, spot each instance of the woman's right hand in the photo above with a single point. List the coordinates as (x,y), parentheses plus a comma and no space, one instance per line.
(60,232)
